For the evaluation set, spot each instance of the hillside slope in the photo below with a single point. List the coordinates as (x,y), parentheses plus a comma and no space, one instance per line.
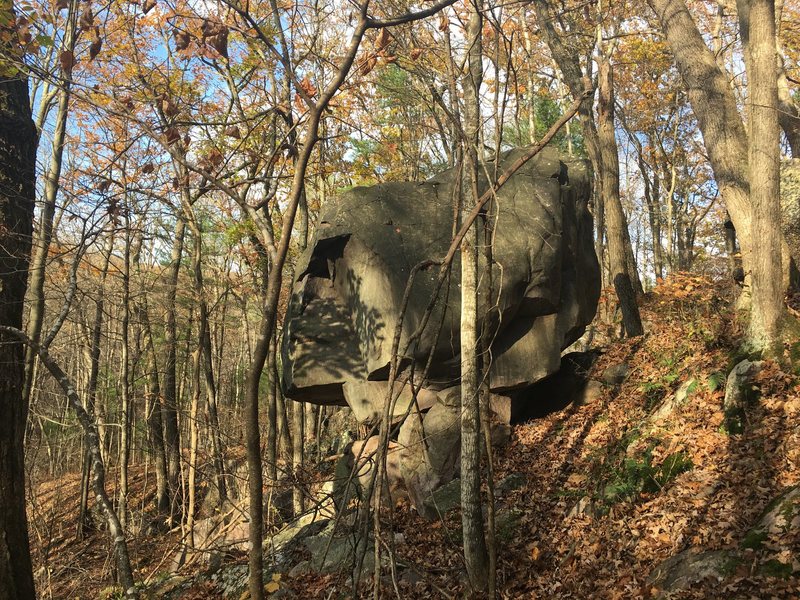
(640,490)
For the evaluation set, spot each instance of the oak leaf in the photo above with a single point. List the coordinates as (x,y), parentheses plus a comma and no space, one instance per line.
(172,136)
(67,60)
(23,31)
(383,40)
(96,45)
(86,20)
(169,108)
(182,39)
(367,63)
(309,88)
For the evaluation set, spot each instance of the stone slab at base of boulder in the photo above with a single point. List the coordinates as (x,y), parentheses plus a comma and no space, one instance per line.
(363,454)
(430,444)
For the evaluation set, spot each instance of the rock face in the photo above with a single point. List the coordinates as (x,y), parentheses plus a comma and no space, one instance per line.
(348,292)
(349,286)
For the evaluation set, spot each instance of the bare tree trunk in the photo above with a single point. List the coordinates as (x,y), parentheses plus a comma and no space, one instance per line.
(717,114)
(577,82)
(84,518)
(155,425)
(475,552)
(272,413)
(170,398)
(298,443)
(125,430)
(616,223)
(115,529)
(204,346)
(18,143)
(44,233)
(757,25)
(197,357)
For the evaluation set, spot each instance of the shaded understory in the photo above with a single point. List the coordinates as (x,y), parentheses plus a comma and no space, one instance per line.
(602,492)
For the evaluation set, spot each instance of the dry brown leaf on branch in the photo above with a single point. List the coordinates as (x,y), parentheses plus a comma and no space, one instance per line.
(220,43)
(415,53)
(169,108)
(215,33)
(233,131)
(182,39)
(308,87)
(96,45)
(172,136)
(383,40)
(86,20)
(23,31)
(67,60)
(367,63)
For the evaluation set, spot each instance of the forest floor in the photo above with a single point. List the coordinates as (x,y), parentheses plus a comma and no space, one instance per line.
(603,492)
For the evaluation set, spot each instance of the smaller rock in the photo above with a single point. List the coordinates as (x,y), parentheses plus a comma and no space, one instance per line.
(779,521)
(681,571)
(300,568)
(585,506)
(739,393)
(214,562)
(677,399)
(615,374)
(442,500)
(509,483)
(591,393)
(410,578)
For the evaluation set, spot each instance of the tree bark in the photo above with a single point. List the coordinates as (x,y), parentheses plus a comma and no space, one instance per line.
(616,223)
(717,115)
(44,233)
(757,25)
(169,406)
(125,430)
(115,529)
(475,551)
(84,518)
(18,142)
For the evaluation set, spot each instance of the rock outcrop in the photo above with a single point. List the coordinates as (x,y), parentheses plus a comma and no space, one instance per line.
(350,282)
(349,287)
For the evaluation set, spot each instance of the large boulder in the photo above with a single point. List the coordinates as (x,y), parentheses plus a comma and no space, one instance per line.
(349,289)
(350,282)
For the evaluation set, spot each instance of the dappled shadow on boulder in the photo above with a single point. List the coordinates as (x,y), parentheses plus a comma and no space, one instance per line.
(349,293)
